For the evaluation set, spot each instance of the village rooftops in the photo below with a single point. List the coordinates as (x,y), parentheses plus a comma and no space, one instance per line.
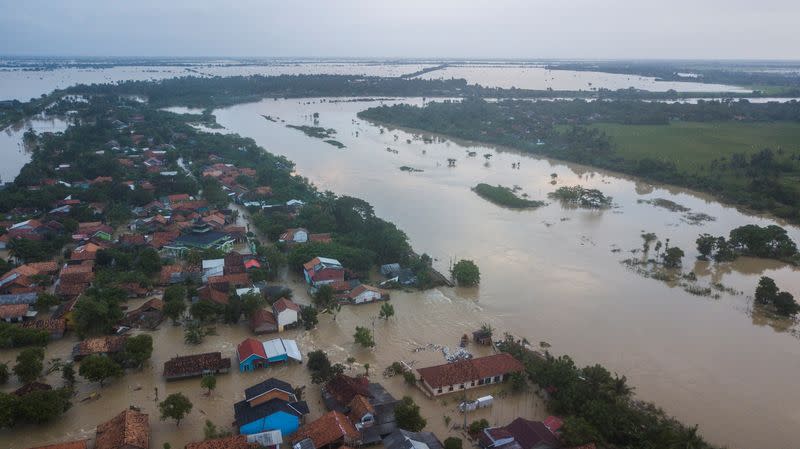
(77,444)
(55,326)
(267,386)
(20,298)
(99,345)
(128,430)
(196,365)
(465,371)
(403,439)
(319,263)
(231,442)
(328,429)
(245,413)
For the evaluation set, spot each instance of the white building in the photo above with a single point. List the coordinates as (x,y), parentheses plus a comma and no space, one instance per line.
(286,313)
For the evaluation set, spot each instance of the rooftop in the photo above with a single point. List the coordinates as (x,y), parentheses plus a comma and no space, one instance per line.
(128,430)
(231,442)
(328,429)
(467,370)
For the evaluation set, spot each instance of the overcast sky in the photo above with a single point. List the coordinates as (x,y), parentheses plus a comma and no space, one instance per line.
(604,29)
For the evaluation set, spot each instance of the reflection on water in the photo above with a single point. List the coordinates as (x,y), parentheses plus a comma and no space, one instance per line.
(550,273)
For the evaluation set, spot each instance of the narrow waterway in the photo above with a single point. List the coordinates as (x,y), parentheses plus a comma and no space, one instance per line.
(554,274)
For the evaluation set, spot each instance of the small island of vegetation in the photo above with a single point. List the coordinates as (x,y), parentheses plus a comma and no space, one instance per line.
(504,196)
(580,197)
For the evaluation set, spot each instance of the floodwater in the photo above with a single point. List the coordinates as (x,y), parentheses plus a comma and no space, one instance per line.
(396,340)
(23,85)
(13,151)
(540,78)
(551,274)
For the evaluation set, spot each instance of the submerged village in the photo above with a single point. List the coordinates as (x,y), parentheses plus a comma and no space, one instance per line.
(131,221)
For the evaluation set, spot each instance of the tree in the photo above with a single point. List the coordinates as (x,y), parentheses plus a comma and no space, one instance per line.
(766,291)
(705,245)
(577,431)
(363,336)
(321,368)
(8,409)
(42,406)
(366,369)
(206,311)
(478,426)
(518,382)
(672,257)
(251,302)
(194,333)
(45,301)
(387,311)
(176,406)
(97,312)
(409,377)
(137,350)
(175,293)
(209,382)
(174,309)
(149,262)
(233,309)
(466,273)
(211,432)
(407,414)
(324,297)
(4,375)
(453,443)
(785,304)
(30,363)
(308,316)
(98,368)
(68,374)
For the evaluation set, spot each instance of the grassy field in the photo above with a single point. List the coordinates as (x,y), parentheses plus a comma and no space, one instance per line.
(692,145)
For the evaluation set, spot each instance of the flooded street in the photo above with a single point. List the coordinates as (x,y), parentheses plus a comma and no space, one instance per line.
(396,340)
(551,274)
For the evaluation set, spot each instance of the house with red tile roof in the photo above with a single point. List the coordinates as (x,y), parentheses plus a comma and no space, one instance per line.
(128,430)
(363,294)
(263,322)
(468,374)
(196,365)
(519,434)
(231,442)
(251,355)
(16,313)
(78,444)
(332,430)
(322,270)
(55,326)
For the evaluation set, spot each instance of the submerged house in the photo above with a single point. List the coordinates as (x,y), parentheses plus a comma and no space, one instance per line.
(286,313)
(128,430)
(77,444)
(253,354)
(270,406)
(99,345)
(368,405)
(55,326)
(332,430)
(231,442)
(403,439)
(363,294)
(322,270)
(520,434)
(467,374)
(196,365)
(200,237)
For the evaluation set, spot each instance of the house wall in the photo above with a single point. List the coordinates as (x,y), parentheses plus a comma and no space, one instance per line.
(328,276)
(300,237)
(286,318)
(278,359)
(455,388)
(367,296)
(285,422)
(274,394)
(251,363)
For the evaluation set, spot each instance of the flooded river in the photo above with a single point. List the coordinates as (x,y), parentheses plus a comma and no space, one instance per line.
(551,274)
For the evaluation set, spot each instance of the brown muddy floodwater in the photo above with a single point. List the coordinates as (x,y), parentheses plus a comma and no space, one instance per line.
(552,274)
